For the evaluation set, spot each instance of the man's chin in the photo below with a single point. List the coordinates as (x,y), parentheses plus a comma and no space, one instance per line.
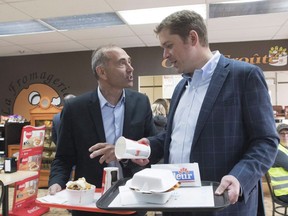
(179,71)
(130,85)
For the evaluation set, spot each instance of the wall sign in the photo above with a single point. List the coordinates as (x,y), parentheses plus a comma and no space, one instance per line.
(28,91)
(268,55)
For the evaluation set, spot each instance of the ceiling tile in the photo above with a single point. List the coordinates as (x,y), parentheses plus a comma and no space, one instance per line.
(119,41)
(132,4)
(15,50)
(88,34)
(253,21)
(8,13)
(57,8)
(37,38)
(282,33)
(65,46)
(143,29)
(247,34)
(228,29)
(4,43)
(150,40)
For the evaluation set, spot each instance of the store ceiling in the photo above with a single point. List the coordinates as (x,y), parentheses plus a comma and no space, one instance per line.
(266,20)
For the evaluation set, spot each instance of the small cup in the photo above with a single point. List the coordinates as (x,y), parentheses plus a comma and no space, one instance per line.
(130,149)
(81,197)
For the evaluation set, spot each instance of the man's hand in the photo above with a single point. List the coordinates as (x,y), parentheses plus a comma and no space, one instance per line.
(142,162)
(106,150)
(53,189)
(232,185)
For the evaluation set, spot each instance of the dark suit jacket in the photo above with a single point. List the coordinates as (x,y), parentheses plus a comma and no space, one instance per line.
(81,127)
(235,132)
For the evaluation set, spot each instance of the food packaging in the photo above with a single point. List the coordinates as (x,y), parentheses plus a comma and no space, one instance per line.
(153,180)
(80,197)
(157,198)
(187,174)
(153,185)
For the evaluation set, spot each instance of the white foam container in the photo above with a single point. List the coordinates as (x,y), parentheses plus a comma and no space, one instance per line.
(153,180)
(157,198)
(80,197)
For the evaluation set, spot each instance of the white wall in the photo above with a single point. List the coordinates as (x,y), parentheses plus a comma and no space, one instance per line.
(278,86)
(162,86)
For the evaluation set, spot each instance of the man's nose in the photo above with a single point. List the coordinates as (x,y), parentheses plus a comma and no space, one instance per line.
(166,54)
(130,68)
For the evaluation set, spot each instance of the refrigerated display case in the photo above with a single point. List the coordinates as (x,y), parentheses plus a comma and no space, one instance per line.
(44,116)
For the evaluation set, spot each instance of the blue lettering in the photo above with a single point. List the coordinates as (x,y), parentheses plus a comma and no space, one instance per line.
(184,176)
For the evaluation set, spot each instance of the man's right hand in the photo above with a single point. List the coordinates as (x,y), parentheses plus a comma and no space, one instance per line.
(53,189)
(142,162)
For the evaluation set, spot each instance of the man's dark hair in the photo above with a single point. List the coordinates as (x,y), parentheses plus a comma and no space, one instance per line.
(182,22)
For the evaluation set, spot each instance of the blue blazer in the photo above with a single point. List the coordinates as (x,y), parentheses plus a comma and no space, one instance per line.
(81,127)
(235,133)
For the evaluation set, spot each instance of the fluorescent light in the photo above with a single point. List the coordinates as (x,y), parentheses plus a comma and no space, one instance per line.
(22,27)
(239,1)
(60,24)
(156,15)
(254,7)
(84,21)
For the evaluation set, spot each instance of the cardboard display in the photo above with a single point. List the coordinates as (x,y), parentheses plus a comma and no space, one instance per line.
(187,174)
(30,158)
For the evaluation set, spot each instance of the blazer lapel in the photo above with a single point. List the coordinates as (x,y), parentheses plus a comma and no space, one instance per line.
(213,90)
(95,111)
(127,111)
(174,103)
(177,95)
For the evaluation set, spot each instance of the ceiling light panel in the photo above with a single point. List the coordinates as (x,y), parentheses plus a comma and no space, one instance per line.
(22,27)
(156,15)
(252,8)
(84,21)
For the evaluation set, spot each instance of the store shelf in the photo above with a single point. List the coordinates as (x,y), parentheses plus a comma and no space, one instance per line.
(39,117)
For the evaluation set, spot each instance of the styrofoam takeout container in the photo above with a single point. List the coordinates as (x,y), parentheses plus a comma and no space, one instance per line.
(153,180)
(80,197)
(151,185)
(158,198)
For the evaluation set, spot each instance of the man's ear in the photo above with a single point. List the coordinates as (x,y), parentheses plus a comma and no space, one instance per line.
(193,37)
(100,70)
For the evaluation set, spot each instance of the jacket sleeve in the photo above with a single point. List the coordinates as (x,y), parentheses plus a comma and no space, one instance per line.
(263,138)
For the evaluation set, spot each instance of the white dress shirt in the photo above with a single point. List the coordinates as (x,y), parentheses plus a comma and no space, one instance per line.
(188,109)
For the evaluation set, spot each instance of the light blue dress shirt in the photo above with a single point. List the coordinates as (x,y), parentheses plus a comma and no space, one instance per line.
(113,120)
(188,109)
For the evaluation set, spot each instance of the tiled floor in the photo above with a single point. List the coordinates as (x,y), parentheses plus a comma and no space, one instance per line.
(64,212)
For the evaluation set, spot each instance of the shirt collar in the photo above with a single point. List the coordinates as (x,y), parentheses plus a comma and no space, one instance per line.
(103,101)
(208,69)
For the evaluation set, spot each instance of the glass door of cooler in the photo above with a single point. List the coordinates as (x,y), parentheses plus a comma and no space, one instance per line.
(49,146)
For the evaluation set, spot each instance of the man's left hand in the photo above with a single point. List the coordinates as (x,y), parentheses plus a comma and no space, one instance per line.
(232,185)
(106,150)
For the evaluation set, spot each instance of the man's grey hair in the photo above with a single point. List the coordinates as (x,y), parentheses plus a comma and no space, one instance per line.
(99,57)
